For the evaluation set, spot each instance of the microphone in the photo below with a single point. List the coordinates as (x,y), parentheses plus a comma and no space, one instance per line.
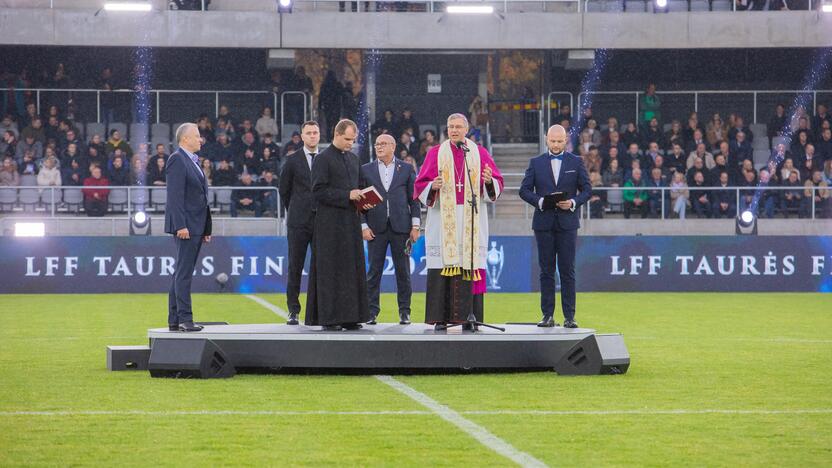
(461,145)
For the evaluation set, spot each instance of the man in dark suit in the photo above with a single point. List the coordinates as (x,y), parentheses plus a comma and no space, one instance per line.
(556,225)
(188,218)
(296,195)
(391,223)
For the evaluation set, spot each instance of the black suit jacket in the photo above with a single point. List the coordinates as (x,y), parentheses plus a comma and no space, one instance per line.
(398,205)
(296,190)
(187,197)
(539,181)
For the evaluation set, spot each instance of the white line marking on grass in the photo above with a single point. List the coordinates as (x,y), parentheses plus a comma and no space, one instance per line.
(671,412)
(277,310)
(481,434)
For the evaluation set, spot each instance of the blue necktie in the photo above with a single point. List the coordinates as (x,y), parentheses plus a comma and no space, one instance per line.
(559,157)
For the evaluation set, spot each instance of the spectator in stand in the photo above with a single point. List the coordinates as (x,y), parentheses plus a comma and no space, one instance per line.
(224,176)
(632,154)
(628,173)
(407,143)
(28,166)
(71,137)
(248,164)
(695,141)
(29,116)
(225,127)
(650,105)
(724,199)
(29,145)
(119,173)
(161,153)
(787,168)
(613,140)
(679,194)
(8,147)
(592,160)
(242,199)
(676,160)
(52,129)
(656,194)
(817,190)
(740,127)
(652,134)
(768,199)
(803,126)
(116,142)
(156,173)
(598,199)
(721,166)
(649,158)
(693,124)
(268,142)
(607,158)
(613,175)
(409,159)
(612,126)
(208,169)
(384,124)
(292,145)
(584,142)
(94,157)
(248,127)
(700,198)
(247,142)
(700,153)
(227,119)
(406,121)
(427,143)
(777,123)
(74,173)
(793,197)
(594,132)
(268,197)
(630,135)
(50,174)
(827,172)
(329,102)
(269,162)
(749,182)
(635,200)
(266,123)
(824,145)
(810,162)
(716,131)
(97,143)
(741,148)
(9,125)
(698,166)
(9,176)
(798,148)
(206,129)
(35,130)
(821,115)
(724,150)
(105,83)
(674,135)
(71,153)
(95,199)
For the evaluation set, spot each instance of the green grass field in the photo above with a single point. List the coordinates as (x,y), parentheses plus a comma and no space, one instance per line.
(715,379)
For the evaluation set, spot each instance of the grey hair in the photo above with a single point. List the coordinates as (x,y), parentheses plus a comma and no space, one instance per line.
(456,116)
(180,132)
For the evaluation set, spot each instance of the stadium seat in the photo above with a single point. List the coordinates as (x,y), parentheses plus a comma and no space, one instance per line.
(699,5)
(778,140)
(8,198)
(139,198)
(677,5)
(139,133)
(158,198)
(121,127)
(73,198)
(760,136)
(615,6)
(223,201)
(117,199)
(721,5)
(595,6)
(634,6)
(160,131)
(29,197)
(615,200)
(28,180)
(96,128)
(761,157)
(46,197)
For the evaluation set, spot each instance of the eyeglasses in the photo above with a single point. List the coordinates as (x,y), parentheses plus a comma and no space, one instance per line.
(379,145)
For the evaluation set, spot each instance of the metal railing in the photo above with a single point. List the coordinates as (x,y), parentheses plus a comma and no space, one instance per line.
(697,101)
(88,101)
(810,211)
(122,201)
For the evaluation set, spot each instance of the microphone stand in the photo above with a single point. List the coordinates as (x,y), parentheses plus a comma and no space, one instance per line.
(471,320)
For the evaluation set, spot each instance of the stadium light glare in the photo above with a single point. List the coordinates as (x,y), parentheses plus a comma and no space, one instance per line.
(140,224)
(284,6)
(827,7)
(747,223)
(128,6)
(471,9)
(29,229)
(661,3)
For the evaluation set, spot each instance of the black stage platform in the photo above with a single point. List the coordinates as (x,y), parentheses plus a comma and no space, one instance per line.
(223,350)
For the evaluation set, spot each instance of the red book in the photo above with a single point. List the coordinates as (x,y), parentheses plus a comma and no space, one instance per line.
(371,197)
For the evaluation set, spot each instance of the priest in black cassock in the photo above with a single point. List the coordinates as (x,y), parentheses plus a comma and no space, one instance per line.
(337,294)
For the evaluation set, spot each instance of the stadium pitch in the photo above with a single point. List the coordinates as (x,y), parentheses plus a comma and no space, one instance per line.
(716,379)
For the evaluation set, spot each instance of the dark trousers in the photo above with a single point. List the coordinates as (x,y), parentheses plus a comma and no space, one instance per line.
(377,250)
(630,207)
(95,207)
(557,246)
(254,205)
(179,297)
(298,239)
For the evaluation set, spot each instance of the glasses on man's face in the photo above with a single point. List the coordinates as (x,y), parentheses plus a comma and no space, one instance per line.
(381,145)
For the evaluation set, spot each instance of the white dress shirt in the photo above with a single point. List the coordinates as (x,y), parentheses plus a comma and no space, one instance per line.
(556,172)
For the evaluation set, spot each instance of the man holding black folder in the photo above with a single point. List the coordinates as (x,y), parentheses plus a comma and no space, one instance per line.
(393,222)
(556,184)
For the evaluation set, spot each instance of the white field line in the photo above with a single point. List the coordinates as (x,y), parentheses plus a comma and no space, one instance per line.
(277,310)
(481,434)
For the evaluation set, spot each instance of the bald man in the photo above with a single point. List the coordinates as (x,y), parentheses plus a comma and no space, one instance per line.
(556,225)
(390,224)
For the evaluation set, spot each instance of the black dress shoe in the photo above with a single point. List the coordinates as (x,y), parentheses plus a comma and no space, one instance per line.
(351,326)
(404,318)
(372,320)
(547,321)
(439,326)
(293,318)
(469,326)
(189,327)
(173,327)
(570,324)
(331,328)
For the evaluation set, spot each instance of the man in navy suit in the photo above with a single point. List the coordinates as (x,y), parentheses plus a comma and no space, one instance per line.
(188,218)
(391,223)
(556,225)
